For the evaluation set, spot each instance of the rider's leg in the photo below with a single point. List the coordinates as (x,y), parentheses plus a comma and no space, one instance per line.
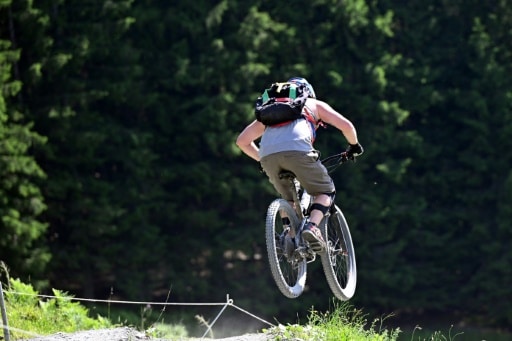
(317,211)
(286,220)
(324,202)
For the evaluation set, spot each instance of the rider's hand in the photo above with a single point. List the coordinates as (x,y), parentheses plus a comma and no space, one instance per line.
(354,150)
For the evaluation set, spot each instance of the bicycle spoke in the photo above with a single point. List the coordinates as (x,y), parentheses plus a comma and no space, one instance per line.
(288,272)
(339,260)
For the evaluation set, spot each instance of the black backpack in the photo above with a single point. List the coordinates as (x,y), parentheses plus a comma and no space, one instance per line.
(282,102)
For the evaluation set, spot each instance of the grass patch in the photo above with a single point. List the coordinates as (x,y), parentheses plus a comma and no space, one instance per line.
(27,312)
(345,323)
(167,331)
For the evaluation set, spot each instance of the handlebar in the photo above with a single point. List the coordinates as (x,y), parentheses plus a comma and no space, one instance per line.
(332,162)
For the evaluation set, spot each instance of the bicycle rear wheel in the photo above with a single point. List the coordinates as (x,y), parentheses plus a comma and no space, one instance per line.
(339,260)
(288,270)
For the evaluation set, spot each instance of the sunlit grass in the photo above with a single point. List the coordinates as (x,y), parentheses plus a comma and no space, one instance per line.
(27,314)
(30,315)
(345,323)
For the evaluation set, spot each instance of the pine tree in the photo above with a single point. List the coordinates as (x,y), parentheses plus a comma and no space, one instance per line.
(21,200)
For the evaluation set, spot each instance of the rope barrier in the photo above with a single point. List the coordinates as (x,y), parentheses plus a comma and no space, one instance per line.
(114,301)
(229,302)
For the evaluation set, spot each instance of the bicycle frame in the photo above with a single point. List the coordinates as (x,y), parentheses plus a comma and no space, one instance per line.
(301,249)
(289,254)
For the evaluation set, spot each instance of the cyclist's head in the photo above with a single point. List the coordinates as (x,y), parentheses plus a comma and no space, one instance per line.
(303,81)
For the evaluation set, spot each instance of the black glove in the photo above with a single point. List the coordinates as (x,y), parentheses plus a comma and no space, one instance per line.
(354,150)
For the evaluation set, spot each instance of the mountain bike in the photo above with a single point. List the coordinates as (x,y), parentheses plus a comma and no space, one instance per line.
(289,254)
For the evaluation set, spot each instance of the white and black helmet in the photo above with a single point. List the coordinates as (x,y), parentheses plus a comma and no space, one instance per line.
(303,81)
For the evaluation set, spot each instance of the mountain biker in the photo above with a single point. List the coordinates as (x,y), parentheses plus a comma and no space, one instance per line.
(290,147)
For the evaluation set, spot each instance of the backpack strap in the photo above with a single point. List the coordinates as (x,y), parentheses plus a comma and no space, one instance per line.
(265,97)
(292,92)
(312,117)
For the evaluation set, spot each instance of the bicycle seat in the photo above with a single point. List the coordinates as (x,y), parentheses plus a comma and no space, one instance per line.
(286,175)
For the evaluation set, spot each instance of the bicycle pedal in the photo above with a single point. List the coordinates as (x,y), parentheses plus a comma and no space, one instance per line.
(316,247)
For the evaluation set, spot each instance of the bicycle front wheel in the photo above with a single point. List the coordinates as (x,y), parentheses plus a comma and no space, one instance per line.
(339,260)
(288,269)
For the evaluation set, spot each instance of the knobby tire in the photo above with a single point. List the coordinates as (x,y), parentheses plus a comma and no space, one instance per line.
(289,274)
(339,261)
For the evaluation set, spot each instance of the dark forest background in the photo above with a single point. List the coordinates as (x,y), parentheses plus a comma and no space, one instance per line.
(119,173)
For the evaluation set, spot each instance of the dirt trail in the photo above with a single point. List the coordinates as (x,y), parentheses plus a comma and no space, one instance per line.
(130,334)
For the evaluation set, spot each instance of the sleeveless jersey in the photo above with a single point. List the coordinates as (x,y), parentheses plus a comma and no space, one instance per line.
(298,135)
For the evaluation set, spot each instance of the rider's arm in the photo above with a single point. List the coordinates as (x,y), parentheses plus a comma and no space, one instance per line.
(245,140)
(330,116)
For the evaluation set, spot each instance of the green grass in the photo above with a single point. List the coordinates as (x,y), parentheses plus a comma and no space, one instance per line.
(29,314)
(26,311)
(346,323)
(167,331)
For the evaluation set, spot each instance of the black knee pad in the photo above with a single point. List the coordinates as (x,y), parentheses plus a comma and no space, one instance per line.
(319,207)
(322,208)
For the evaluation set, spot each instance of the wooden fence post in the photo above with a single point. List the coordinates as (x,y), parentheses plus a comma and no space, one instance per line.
(4,313)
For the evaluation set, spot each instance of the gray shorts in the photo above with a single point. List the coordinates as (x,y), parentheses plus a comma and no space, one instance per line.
(306,166)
